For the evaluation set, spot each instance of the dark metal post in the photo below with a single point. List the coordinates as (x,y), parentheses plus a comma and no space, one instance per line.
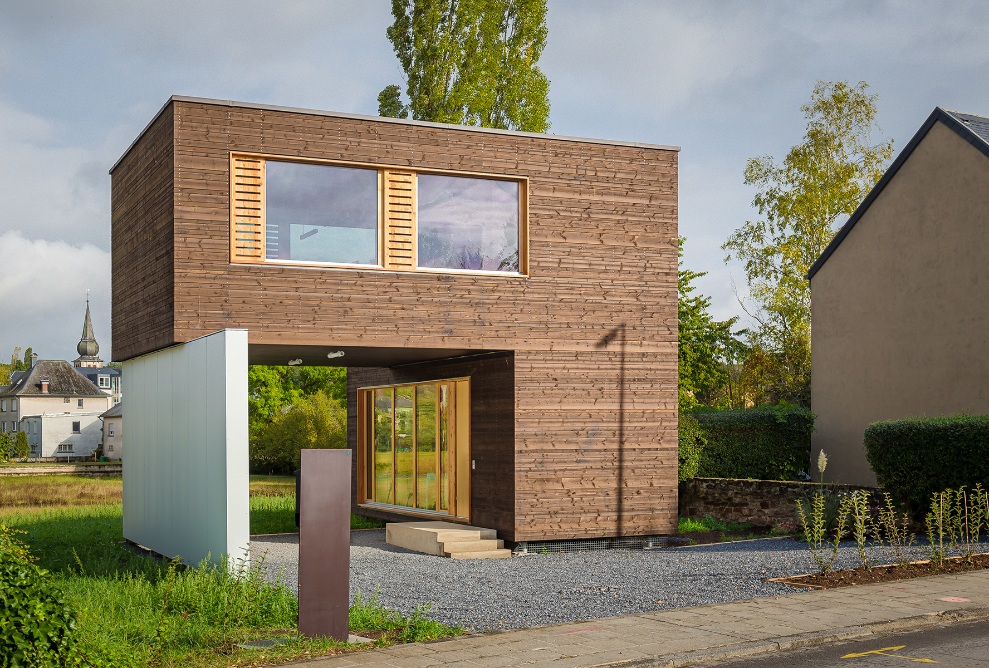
(324,543)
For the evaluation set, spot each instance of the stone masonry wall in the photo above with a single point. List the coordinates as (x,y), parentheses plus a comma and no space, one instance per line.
(762,503)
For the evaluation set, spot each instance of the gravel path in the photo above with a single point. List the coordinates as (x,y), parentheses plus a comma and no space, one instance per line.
(541,589)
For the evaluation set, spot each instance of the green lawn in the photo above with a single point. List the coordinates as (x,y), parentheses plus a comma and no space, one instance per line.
(134,610)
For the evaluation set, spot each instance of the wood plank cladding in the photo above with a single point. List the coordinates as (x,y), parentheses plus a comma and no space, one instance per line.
(247,208)
(142,243)
(399,211)
(583,442)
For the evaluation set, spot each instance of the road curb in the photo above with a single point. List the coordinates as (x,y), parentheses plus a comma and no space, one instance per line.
(751,648)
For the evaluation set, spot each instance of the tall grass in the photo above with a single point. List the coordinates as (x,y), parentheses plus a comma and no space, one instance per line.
(59,490)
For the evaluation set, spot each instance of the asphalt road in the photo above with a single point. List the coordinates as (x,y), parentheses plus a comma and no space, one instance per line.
(961,645)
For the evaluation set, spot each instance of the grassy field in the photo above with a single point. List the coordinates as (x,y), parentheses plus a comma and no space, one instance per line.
(134,610)
(272,498)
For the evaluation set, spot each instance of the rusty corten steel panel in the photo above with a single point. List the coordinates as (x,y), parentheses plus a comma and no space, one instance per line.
(324,543)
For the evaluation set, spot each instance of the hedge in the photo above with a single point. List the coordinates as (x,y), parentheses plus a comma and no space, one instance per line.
(690,441)
(765,443)
(915,458)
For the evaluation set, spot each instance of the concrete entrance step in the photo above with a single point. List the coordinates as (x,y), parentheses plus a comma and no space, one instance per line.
(446,539)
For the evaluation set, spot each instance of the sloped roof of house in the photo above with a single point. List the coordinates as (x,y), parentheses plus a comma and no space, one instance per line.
(63,381)
(116,411)
(973,129)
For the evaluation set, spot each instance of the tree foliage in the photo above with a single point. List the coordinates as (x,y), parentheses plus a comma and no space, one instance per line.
(470,62)
(271,390)
(820,182)
(18,362)
(22,449)
(707,346)
(313,421)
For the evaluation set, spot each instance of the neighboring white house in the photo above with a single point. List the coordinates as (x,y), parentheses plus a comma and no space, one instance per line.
(113,432)
(68,435)
(59,404)
(53,391)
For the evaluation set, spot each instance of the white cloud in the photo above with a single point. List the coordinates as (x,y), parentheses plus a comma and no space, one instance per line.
(43,291)
(50,188)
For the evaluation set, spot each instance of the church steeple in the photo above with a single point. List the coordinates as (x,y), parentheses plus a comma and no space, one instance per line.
(88,348)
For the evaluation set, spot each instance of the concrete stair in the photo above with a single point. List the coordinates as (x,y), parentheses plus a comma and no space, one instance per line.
(446,539)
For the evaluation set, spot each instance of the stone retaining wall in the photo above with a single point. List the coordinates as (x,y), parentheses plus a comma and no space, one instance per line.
(762,503)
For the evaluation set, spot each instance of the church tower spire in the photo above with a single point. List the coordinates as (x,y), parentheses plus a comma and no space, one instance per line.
(88,348)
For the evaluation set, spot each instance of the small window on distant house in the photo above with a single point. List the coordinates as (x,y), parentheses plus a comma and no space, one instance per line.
(65,447)
(67,400)
(104,381)
(80,403)
(13,425)
(109,448)
(3,427)
(3,404)
(13,404)
(109,429)
(76,428)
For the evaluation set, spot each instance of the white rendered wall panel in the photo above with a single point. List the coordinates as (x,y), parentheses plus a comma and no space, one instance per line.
(186,471)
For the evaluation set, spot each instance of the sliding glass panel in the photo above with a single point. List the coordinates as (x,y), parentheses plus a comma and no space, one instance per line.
(443,406)
(426,447)
(383,456)
(468,223)
(404,454)
(321,213)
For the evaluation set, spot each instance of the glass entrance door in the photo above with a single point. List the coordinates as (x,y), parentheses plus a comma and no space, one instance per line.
(415,442)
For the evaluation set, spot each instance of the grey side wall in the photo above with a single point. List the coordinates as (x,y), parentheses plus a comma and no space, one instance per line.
(900,323)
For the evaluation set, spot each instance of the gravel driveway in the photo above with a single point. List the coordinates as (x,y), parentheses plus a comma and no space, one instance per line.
(541,589)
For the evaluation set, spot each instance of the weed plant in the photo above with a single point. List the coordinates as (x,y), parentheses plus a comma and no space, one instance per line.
(861,524)
(894,529)
(823,537)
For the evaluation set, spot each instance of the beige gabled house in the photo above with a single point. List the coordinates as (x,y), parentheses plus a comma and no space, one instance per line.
(900,298)
(57,406)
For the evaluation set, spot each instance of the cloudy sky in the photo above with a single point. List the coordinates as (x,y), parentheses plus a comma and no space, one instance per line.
(723,80)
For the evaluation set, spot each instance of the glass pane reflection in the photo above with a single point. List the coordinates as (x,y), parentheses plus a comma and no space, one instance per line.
(321,213)
(468,223)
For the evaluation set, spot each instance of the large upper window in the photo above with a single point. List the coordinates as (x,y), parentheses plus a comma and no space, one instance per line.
(468,223)
(383,218)
(321,213)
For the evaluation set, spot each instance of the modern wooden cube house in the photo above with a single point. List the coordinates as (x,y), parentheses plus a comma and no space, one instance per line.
(505,301)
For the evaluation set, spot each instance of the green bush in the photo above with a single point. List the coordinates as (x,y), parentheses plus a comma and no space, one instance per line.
(916,458)
(691,442)
(37,626)
(766,443)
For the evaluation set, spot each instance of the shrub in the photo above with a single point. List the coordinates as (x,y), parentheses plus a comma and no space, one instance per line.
(916,458)
(22,450)
(314,421)
(36,624)
(766,443)
(690,442)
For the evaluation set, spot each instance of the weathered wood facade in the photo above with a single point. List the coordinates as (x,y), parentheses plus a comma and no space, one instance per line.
(573,431)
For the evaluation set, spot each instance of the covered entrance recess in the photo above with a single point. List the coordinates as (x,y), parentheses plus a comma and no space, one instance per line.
(414,447)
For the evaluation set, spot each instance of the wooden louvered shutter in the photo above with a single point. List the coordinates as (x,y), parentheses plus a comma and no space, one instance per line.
(399,219)
(246,209)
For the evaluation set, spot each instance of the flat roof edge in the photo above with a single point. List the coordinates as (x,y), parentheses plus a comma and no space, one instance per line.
(386,119)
